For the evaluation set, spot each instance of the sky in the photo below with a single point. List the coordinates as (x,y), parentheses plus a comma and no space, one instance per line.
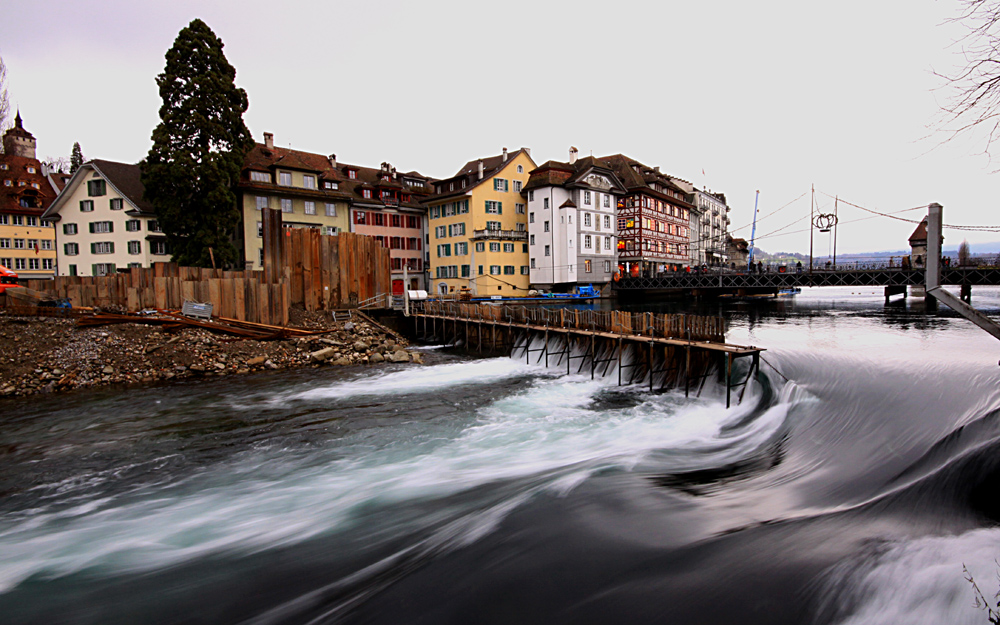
(773,96)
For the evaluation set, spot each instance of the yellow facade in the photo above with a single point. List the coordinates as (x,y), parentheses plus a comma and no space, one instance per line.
(488,252)
(18,246)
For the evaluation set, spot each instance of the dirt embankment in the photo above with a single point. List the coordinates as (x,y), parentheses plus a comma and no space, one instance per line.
(43,355)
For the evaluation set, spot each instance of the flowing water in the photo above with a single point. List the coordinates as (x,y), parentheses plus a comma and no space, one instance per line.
(850,486)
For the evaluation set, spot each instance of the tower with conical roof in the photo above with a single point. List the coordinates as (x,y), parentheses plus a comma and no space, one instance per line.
(19,142)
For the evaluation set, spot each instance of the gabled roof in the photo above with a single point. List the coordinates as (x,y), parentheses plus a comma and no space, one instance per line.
(560,174)
(637,176)
(124,178)
(470,173)
(919,235)
(17,173)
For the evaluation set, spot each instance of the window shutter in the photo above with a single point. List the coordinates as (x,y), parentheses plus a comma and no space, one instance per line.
(114,267)
(93,247)
(91,224)
(506,185)
(500,207)
(112,244)
(111,226)
(93,270)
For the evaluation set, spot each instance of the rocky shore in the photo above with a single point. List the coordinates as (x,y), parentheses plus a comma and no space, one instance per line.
(44,355)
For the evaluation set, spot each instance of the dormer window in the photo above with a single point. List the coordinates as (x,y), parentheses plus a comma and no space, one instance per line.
(331,185)
(260,176)
(4,166)
(285,178)
(366,193)
(385,177)
(309,182)
(31,169)
(352,174)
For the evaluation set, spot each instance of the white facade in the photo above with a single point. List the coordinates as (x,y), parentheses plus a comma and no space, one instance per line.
(571,232)
(709,226)
(100,230)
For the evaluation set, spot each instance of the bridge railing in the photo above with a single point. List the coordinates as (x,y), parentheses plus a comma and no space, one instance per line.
(653,325)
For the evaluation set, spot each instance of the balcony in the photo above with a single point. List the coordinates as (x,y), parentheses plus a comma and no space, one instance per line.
(499,235)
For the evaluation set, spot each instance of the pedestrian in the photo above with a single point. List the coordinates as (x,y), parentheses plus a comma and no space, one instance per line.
(798,267)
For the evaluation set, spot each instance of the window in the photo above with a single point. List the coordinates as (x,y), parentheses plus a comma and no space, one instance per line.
(519,209)
(412,222)
(533,263)
(396,243)
(466,270)
(135,247)
(116,204)
(17,220)
(86,206)
(413,243)
(47,264)
(531,239)
(461,249)
(69,229)
(32,221)
(444,250)
(494,208)
(521,228)
(480,246)
(32,244)
(494,270)
(310,208)
(96,188)
(621,223)
(545,203)
(586,197)
(500,184)
(360,217)
(546,228)
(329,184)
(508,270)
(103,269)
(18,244)
(547,251)
(100,227)
(33,264)
(331,230)
(133,225)
(352,174)
(70,249)
(102,247)
(440,232)
(46,244)
(607,201)
(517,186)
(4,220)
(607,243)
(286,205)
(260,229)
(520,169)
(4,244)
(331,210)
(72,270)
(309,182)
(607,222)
(366,193)
(480,270)
(260,176)
(153,226)
(508,247)
(493,225)
(261,202)
(587,267)
(158,247)
(586,219)
(587,242)
(524,248)
(285,178)
(607,266)
(494,247)
(19,263)
(531,218)
(455,230)
(524,270)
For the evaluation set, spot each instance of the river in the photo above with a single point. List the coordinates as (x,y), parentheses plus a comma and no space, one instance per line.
(849,486)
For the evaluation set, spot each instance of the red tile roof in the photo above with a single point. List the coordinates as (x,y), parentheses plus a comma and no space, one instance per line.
(23,185)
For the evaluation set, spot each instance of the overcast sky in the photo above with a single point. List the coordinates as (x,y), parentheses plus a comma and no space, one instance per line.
(772,95)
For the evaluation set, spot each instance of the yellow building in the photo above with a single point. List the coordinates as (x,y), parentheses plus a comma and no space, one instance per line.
(27,244)
(478,226)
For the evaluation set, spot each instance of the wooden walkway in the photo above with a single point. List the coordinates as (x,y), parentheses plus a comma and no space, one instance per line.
(684,349)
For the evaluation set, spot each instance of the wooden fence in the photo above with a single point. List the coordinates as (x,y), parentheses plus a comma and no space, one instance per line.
(301,268)
(694,327)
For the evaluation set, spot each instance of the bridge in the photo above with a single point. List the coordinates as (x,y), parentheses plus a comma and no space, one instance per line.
(894,279)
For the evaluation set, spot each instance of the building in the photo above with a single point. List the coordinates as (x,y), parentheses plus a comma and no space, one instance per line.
(918,245)
(478,227)
(709,225)
(27,244)
(738,251)
(571,223)
(654,218)
(102,222)
(317,191)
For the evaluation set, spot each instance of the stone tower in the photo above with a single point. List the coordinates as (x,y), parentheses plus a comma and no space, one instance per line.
(19,142)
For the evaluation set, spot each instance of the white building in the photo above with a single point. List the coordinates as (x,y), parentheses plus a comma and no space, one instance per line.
(571,223)
(103,224)
(709,225)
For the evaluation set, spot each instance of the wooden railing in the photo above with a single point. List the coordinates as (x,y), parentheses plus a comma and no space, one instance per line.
(693,327)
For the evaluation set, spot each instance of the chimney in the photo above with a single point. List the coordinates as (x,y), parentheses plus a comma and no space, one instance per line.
(526,151)
(505,155)
(480,169)
(269,140)
(333,160)
(572,154)
(657,169)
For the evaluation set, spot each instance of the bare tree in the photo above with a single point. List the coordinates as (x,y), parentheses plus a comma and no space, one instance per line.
(57,164)
(4,100)
(975,87)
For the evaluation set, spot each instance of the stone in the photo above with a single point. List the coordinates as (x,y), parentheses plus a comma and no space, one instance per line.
(220,365)
(324,354)
(400,356)
(330,342)
(360,346)
(108,370)
(58,372)
(198,368)
(349,326)
(389,344)
(342,361)
(376,358)
(258,360)
(417,357)
(180,368)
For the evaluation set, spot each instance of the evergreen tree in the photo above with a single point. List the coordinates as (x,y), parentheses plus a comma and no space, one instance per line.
(198,150)
(75,158)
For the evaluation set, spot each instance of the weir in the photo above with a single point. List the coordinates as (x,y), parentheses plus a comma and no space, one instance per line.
(665,351)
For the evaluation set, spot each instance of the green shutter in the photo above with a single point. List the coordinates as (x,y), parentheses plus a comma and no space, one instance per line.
(506,185)
(112,247)
(111,226)
(91,224)
(93,249)
(500,207)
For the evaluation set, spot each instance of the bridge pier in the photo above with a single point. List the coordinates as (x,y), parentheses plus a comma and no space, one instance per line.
(966,293)
(895,289)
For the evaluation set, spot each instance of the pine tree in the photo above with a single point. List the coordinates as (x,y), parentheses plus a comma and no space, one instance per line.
(75,158)
(198,149)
